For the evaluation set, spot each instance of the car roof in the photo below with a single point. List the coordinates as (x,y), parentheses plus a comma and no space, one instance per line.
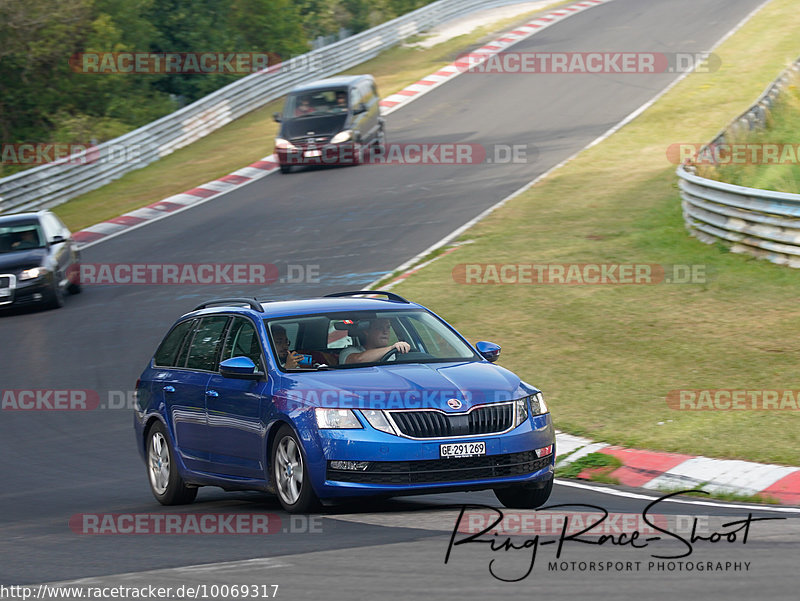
(310,306)
(19,217)
(340,81)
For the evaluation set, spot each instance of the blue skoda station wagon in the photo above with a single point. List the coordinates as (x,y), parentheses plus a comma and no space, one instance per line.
(323,399)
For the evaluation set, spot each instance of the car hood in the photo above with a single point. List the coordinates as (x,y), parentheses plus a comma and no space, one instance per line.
(15,261)
(404,386)
(325,125)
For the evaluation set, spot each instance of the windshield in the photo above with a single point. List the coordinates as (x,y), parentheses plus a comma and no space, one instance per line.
(315,104)
(361,338)
(21,236)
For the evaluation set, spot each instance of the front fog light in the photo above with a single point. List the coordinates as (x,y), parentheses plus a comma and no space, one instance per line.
(520,411)
(377,419)
(538,405)
(351,466)
(336,419)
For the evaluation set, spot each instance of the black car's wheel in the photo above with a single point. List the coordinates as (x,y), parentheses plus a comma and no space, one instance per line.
(166,484)
(74,286)
(380,139)
(524,497)
(56,299)
(285,168)
(290,474)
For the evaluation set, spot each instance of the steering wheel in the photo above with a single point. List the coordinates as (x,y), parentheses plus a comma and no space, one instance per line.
(392,352)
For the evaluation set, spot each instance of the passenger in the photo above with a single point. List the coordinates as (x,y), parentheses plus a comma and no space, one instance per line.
(28,239)
(341,101)
(373,344)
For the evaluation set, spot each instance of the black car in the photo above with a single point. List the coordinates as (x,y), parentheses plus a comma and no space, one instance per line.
(39,260)
(329,122)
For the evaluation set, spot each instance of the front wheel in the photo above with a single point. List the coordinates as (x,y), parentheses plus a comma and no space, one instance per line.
(291,474)
(285,168)
(56,295)
(524,497)
(165,483)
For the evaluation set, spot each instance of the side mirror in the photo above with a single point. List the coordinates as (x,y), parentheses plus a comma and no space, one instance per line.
(488,350)
(239,367)
(57,240)
(360,108)
(276,117)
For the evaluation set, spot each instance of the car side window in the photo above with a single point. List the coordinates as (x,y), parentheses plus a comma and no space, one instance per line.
(355,97)
(167,353)
(206,343)
(365,88)
(242,341)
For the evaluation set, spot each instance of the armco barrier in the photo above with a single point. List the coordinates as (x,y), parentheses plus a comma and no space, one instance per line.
(49,185)
(761,223)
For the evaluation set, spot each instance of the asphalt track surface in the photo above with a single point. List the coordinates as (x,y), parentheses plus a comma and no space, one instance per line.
(355,224)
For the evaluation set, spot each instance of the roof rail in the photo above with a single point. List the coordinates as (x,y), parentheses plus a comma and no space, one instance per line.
(389,295)
(251,302)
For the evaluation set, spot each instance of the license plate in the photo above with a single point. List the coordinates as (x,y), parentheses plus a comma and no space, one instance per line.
(313,153)
(463,449)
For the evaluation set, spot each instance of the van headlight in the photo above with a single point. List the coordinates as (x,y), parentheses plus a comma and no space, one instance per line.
(342,136)
(329,419)
(284,144)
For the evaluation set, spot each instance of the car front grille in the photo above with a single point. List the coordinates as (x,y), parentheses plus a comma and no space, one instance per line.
(303,141)
(431,471)
(487,419)
(7,284)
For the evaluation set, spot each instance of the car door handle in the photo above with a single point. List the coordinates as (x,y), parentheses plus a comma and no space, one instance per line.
(169,389)
(212,393)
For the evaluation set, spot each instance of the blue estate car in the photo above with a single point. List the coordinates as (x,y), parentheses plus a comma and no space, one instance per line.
(335,397)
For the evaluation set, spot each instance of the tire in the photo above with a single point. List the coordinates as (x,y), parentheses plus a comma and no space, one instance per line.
(162,473)
(524,497)
(287,461)
(56,295)
(285,168)
(380,139)
(74,286)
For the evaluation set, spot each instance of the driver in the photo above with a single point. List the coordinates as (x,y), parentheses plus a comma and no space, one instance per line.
(373,344)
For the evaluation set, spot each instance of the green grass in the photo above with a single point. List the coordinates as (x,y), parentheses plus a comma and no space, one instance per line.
(782,127)
(600,464)
(606,356)
(725,496)
(250,138)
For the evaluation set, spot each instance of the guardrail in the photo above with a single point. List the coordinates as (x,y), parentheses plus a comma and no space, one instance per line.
(51,184)
(762,223)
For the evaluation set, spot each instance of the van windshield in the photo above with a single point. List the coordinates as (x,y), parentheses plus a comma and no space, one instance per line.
(316,103)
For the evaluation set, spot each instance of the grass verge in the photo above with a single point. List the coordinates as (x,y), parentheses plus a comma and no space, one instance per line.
(250,138)
(783,124)
(605,355)
(598,466)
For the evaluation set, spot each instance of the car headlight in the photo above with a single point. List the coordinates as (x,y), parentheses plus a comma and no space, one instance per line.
(342,136)
(284,144)
(520,411)
(538,406)
(378,420)
(32,274)
(336,419)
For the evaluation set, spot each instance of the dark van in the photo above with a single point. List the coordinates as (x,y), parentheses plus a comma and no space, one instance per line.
(329,122)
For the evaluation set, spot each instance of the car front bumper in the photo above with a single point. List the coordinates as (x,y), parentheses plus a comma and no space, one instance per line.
(400,466)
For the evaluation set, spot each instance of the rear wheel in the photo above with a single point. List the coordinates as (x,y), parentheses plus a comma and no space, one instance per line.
(290,473)
(524,497)
(166,484)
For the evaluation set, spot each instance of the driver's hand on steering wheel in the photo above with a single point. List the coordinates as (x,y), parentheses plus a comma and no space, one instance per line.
(402,346)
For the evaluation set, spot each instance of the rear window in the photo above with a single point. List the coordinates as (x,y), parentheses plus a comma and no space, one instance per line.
(168,351)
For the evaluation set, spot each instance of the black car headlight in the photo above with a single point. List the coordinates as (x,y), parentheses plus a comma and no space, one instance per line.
(32,273)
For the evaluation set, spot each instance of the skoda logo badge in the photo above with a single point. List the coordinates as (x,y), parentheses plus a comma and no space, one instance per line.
(454,404)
